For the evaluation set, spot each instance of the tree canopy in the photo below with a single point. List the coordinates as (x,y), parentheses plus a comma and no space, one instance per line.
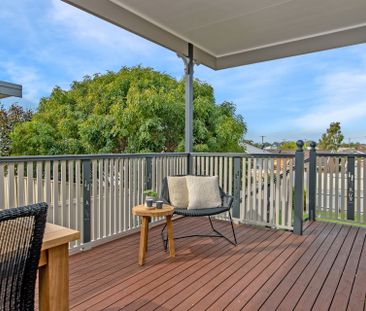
(133,110)
(15,114)
(332,139)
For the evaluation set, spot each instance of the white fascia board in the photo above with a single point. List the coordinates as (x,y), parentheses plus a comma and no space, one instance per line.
(316,43)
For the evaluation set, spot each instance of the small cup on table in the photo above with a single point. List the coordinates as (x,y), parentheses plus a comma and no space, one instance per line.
(159,204)
(149,203)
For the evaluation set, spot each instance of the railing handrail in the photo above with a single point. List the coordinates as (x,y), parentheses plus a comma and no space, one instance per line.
(90,156)
(243,155)
(340,154)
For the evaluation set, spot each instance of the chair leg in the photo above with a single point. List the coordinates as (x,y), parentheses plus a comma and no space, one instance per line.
(165,241)
(232,227)
(220,234)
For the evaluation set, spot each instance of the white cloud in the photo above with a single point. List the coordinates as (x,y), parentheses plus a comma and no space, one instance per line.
(29,77)
(93,31)
(342,98)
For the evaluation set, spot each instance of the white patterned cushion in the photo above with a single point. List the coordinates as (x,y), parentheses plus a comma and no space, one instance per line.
(178,193)
(203,192)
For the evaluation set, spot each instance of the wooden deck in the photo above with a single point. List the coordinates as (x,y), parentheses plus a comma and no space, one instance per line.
(321,270)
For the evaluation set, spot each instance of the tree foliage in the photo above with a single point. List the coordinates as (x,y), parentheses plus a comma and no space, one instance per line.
(287,145)
(332,139)
(8,119)
(134,110)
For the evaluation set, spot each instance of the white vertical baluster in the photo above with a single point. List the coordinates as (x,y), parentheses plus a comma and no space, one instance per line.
(2,186)
(29,183)
(254,206)
(48,190)
(243,205)
(290,184)
(63,194)
(358,188)
(78,195)
(39,176)
(56,209)
(278,188)
(249,190)
(11,183)
(20,191)
(343,187)
(94,200)
(336,188)
(265,190)
(271,193)
(319,184)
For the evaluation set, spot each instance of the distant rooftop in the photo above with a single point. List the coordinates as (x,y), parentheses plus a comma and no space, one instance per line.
(10,89)
(250,149)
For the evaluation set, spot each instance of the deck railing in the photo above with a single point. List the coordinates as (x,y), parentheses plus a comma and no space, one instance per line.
(340,187)
(95,193)
(261,184)
(91,193)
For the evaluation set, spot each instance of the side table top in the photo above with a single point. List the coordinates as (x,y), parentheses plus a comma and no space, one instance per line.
(141,210)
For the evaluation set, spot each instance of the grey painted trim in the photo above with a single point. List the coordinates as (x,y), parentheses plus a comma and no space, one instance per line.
(189,66)
(86,201)
(312,182)
(324,154)
(10,89)
(148,174)
(243,155)
(299,188)
(189,164)
(351,188)
(237,187)
(90,156)
(136,155)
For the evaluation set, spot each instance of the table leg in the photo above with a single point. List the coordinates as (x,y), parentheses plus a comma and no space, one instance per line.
(169,224)
(54,280)
(143,240)
(147,234)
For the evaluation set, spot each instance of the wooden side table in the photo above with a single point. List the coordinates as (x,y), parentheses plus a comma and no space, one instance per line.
(145,214)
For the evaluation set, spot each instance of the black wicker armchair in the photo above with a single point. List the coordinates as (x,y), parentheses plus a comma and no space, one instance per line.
(227,202)
(21,234)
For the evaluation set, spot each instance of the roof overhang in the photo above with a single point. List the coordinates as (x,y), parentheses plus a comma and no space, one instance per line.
(10,89)
(229,33)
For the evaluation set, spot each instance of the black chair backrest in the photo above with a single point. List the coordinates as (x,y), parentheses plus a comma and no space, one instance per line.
(21,234)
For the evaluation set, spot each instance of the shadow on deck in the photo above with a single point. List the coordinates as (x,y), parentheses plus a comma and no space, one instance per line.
(323,269)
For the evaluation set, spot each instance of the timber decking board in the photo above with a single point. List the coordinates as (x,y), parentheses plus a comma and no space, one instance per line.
(268,270)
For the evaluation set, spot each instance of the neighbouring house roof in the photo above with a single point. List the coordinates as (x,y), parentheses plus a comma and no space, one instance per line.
(10,89)
(250,149)
(237,32)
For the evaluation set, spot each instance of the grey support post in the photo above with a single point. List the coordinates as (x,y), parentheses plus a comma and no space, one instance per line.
(299,188)
(148,174)
(189,100)
(86,201)
(188,70)
(312,181)
(237,186)
(350,187)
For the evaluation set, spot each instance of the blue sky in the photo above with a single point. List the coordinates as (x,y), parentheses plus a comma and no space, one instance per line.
(48,43)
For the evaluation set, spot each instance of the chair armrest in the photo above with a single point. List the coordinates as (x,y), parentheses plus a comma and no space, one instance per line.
(227,200)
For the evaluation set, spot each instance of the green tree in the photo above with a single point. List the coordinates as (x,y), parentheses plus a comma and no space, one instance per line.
(287,145)
(332,139)
(133,110)
(8,119)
